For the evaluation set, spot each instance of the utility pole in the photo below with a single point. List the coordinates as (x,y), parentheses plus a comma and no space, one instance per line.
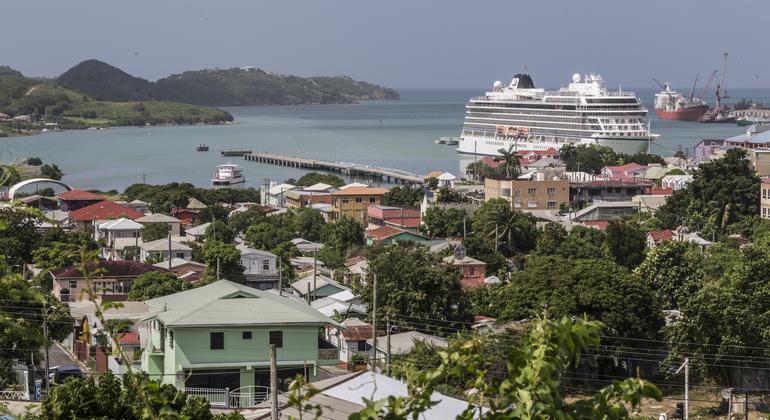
(273,383)
(280,278)
(496,238)
(45,342)
(169,250)
(686,366)
(374,325)
(387,346)
(315,276)
(218,278)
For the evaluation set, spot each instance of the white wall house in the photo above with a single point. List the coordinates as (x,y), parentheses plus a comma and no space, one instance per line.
(259,267)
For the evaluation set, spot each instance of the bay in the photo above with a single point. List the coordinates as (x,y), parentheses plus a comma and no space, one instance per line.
(394,134)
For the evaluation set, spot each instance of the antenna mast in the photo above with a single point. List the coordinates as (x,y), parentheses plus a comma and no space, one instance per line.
(692,91)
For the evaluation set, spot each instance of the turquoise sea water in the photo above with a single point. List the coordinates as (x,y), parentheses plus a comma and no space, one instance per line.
(396,134)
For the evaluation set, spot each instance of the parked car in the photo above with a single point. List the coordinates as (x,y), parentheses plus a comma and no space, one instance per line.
(59,374)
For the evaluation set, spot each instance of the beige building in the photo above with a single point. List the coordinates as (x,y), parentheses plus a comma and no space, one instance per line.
(353,202)
(526,195)
(764,201)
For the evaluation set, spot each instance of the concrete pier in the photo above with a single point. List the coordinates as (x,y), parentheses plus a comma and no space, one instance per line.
(350,169)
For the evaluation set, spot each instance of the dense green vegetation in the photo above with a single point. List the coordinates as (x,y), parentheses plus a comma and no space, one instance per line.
(592,158)
(45,100)
(163,197)
(218,87)
(156,284)
(403,196)
(130,399)
(723,192)
(312,178)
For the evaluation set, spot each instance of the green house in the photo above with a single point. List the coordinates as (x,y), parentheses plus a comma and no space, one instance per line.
(218,336)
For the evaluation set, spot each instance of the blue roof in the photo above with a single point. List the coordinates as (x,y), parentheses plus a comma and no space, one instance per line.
(761,136)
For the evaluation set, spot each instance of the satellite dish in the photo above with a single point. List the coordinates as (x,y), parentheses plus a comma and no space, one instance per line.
(180,375)
(727,393)
(460,252)
(576,77)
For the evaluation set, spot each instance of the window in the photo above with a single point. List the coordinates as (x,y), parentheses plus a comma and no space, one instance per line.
(531,191)
(551,191)
(265,265)
(246,335)
(362,345)
(217,340)
(276,337)
(506,192)
(179,255)
(345,201)
(359,200)
(372,200)
(551,204)
(171,339)
(471,271)
(74,283)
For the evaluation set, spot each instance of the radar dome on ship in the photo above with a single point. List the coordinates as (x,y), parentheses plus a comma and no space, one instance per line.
(576,78)
(497,85)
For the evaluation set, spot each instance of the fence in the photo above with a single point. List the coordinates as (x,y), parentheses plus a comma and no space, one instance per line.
(243,397)
(14,395)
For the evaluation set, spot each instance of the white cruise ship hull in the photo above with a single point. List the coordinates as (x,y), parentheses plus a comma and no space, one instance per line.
(487,146)
(228,181)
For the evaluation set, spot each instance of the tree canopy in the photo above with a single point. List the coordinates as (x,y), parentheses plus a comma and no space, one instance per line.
(154,231)
(312,178)
(403,196)
(597,288)
(723,191)
(156,284)
(413,284)
(514,232)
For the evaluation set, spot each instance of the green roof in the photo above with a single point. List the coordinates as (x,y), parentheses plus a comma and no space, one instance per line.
(225,303)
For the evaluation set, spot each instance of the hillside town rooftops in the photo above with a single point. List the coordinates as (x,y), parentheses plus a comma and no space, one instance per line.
(80,195)
(104,210)
(158,218)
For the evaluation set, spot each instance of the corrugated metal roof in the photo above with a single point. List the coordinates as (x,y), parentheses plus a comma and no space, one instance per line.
(225,303)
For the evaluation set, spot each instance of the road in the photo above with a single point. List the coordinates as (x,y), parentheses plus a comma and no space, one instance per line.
(58,357)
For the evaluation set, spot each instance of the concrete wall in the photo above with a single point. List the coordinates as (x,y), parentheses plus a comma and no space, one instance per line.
(529,195)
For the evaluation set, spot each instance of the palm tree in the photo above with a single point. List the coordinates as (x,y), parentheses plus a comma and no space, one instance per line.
(511,166)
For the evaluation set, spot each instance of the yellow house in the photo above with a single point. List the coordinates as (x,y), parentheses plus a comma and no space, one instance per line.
(352,202)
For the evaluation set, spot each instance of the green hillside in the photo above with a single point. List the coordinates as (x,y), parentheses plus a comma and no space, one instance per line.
(219,87)
(103,81)
(48,102)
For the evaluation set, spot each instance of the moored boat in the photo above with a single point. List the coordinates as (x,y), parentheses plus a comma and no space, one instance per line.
(228,174)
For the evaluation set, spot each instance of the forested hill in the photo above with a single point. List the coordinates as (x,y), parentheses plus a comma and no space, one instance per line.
(219,87)
(105,82)
(41,101)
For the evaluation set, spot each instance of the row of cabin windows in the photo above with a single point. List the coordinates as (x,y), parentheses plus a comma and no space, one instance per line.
(217,339)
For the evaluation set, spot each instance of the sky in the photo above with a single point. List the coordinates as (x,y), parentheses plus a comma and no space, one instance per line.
(398,43)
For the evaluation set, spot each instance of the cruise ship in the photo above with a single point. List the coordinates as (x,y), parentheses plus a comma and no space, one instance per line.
(529,118)
(227,175)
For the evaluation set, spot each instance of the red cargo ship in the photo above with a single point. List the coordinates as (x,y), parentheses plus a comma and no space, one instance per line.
(672,105)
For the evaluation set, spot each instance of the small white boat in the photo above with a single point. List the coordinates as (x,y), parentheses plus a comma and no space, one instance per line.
(228,174)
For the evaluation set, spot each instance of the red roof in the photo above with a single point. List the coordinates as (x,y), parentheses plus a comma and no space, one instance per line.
(480,318)
(661,235)
(105,210)
(626,168)
(383,232)
(109,269)
(128,338)
(354,260)
(358,333)
(489,161)
(661,191)
(80,195)
(597,224)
